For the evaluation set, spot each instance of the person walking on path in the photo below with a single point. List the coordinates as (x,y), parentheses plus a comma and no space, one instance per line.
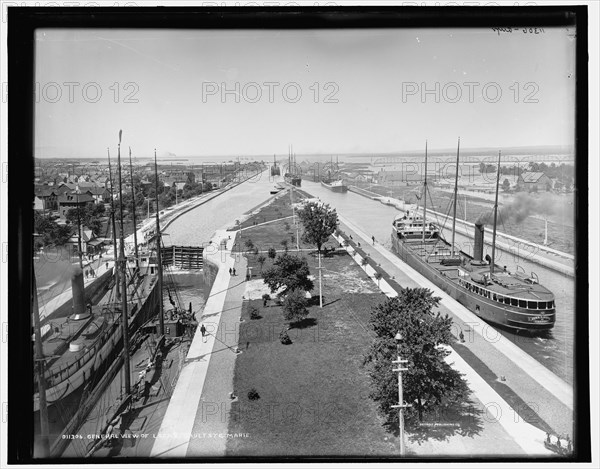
(203,330)
(230,270)
(234,274)
(373,238)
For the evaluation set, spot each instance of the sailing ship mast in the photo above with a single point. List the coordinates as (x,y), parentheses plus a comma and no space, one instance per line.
(495,218)
(40,362)
(161,319)
(455,197)
(425,195)
(135,242)
(114,226)
(77,191)
(123,265)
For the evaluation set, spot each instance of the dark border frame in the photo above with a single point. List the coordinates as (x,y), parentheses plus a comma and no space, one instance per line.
(22,22)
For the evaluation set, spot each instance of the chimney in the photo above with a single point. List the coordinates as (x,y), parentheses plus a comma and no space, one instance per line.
(478,248)
(78,294)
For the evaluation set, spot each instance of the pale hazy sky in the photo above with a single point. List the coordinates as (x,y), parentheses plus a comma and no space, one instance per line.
(172,72)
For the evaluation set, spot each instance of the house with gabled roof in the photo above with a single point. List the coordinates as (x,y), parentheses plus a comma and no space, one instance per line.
(70,200)
(534,182)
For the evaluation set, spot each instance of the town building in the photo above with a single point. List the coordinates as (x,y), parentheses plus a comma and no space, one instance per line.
(70,200)
(534,182)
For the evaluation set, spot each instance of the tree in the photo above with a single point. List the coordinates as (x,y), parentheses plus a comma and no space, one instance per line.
(430,383)
(558,185)
(51,232)
(290,273)
(364,262)
(285,243)
(272,253)
(261,260)
(89,216)
(506,185)
(378,277)
(294,306)
(320,222)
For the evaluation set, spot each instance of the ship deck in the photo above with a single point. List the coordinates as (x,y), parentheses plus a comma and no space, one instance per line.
(57,344)
(503,282)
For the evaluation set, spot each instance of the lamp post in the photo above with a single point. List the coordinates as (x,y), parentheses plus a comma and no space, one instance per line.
(401,405)
(239,223)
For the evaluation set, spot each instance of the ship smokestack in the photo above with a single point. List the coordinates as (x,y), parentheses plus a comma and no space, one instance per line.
(478,247)
(78,293)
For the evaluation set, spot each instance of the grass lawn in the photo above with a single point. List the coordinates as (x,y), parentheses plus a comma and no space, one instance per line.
(314,393)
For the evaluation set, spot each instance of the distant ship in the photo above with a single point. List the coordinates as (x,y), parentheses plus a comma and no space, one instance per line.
(292,176)
(336,186)
(292,179)
(333,183)
(275,171)
(509,299)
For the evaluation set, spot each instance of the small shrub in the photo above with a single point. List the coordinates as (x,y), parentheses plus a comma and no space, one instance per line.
(286,226)
(294,306)
(272,253)
(254,314)
(253,394)
(266,298)
(285,338)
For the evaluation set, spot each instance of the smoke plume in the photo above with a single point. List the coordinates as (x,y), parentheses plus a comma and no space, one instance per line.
(520,207)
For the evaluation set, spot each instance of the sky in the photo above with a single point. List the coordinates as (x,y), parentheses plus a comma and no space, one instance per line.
(252,92)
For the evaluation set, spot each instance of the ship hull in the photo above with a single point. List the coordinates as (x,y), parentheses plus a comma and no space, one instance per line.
(485,308)
(106,349)
(335,188)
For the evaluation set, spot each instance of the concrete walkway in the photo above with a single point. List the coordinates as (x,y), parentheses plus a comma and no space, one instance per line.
(186,429)
(530,385)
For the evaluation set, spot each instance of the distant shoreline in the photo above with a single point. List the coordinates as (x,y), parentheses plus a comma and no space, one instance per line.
(520,151)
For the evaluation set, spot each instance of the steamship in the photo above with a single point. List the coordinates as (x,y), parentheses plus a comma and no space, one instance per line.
(78,345)
(335,186)
(293,179)
(513,300)
(292,175)
(332,181)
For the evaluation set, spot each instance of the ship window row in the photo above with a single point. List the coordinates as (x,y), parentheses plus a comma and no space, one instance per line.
(506,299)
